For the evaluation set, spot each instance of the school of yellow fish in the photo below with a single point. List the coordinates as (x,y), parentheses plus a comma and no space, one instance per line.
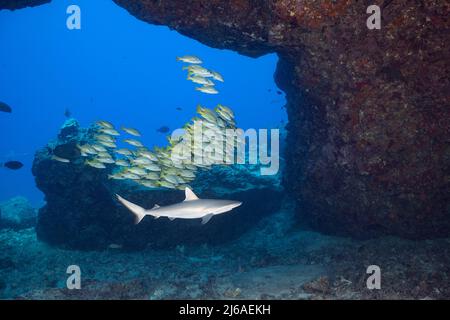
(161,167)
(158,167)
(200,75)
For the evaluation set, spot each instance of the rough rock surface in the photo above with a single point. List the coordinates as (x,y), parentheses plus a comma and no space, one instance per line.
(20,4)
(81,211)
(369,111)
(260,265)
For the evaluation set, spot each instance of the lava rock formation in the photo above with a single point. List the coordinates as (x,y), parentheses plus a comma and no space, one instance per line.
(81,211)
(369,111)
(20,4)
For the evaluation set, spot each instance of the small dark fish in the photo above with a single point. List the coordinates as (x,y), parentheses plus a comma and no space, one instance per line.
(179,109)
(279,92)
(163,129)
(5,108)
(67,150)
(13,165)
(67,113)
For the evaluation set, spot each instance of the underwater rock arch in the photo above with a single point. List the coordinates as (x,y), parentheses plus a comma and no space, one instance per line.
(368,114)
(20,4)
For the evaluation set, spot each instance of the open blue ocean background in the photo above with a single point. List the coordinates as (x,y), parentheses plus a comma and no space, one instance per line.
(115,68)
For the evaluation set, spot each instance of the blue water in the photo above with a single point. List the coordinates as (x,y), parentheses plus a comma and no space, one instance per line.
(123,70)
(115,68)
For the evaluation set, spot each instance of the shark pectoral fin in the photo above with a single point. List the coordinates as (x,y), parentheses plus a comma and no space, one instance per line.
(172,218)
(206,218)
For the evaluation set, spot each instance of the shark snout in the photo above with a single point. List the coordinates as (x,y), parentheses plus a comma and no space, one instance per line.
(235,204)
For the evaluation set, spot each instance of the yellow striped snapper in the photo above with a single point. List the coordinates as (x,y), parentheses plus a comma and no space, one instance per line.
(104,124)
(122,163)
(137,170)
(95,164)
(131,176)
(111,132)
(99,148)
(152,167)
(141,161)
(187,174)
(198,71)
(86,149)
(166,184)
(148,183)
(152,176)
(207,89)
(217,76)
(124,152)
(104,155)
(207,114)
(132,131)
(56,158)
(225,110)
(172,179)
(200,80)
(104,137)
(116,176)
(111,145)
(105,160)
(147,154)
(133,142)
(190,59)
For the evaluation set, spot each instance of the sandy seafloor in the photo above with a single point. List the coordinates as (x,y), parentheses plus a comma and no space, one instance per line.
(272,261)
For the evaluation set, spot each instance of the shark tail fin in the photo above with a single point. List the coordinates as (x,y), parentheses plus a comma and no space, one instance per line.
(139,212)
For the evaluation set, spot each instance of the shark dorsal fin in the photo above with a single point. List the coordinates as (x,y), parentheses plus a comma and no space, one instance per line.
(190,195)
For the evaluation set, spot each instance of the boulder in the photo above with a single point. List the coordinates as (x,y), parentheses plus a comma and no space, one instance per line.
(81,210)
(17,213)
